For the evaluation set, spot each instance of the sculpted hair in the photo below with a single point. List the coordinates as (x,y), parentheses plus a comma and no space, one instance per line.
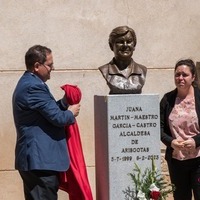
(191,65)
(121,31)
(36,53)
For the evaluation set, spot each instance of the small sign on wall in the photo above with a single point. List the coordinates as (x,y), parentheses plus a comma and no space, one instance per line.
(198,73)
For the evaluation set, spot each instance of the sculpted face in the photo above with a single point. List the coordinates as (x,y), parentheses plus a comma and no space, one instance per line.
(123,47)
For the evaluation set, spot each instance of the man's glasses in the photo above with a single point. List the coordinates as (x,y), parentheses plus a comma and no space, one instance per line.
(51,67)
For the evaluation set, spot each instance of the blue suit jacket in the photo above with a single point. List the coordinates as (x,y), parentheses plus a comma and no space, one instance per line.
(39,122)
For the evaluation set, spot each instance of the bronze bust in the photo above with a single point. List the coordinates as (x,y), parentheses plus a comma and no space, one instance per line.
(122,74)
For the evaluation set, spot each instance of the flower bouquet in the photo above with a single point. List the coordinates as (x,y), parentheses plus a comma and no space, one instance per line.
(148,186)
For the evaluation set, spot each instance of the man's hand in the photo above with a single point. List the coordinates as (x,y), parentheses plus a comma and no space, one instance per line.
(75,109)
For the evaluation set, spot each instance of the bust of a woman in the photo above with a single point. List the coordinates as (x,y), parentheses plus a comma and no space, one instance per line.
(122,74)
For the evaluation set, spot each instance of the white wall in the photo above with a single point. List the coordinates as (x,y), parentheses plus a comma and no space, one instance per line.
(77,32)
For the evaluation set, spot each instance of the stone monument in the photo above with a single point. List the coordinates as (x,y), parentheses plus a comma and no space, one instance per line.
(127,123)
(127,131)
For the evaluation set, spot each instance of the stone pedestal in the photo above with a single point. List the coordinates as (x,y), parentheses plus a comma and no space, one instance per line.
(127,131)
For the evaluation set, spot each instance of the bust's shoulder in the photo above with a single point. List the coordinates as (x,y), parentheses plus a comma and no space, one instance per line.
(104,67)
(140,66)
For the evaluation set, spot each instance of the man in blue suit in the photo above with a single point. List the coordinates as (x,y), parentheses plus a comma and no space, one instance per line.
(41,151)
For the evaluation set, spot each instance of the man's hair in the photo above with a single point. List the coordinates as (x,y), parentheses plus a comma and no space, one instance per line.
(121,31)
(36,53)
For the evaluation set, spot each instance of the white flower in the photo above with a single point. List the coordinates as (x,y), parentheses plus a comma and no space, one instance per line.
(153,187)
(141,195)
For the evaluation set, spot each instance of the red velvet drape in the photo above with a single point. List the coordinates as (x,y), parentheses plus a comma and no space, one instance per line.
(75,180)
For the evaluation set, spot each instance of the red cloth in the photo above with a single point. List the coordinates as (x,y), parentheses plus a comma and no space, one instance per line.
(75,180)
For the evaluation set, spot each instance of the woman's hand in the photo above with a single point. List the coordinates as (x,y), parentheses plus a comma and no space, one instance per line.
(189,144)
(177,144)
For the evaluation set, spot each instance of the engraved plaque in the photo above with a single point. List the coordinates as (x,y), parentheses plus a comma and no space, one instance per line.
(127,131)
